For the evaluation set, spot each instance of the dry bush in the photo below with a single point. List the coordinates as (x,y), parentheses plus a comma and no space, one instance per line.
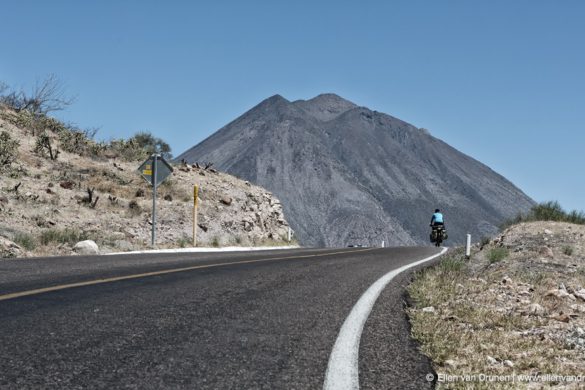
(8,149)
(134,208)
(66,236)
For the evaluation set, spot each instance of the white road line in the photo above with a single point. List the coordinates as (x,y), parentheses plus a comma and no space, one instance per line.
(342,370)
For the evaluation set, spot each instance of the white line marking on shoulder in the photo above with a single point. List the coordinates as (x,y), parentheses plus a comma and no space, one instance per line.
(343,368)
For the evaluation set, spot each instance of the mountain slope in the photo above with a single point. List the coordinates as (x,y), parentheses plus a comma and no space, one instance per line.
(346,174)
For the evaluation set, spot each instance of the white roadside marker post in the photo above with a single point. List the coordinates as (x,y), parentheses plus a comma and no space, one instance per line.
(468,247)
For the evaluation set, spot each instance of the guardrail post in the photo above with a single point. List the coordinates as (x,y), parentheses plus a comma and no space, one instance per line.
(468,247)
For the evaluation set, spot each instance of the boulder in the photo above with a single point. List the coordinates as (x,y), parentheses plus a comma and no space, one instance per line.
(559,293)
(580,294)
(9,248)
(562,318)
(67,184)
(535,309)
(87,247)
(226,200)
(203,226)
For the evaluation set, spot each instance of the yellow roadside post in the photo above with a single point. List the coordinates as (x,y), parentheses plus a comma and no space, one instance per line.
(195,196)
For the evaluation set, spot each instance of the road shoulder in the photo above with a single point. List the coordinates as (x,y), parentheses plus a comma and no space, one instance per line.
(389,357)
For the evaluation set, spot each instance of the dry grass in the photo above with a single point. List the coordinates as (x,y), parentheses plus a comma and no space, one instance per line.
(481,313)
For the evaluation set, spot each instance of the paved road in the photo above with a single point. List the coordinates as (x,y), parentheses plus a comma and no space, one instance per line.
(254,320)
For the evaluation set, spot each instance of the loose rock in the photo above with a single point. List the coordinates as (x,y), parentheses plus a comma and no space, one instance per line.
(546,252)
(87,247)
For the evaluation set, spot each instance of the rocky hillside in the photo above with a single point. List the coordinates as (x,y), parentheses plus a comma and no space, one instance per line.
(517,307)
(350,175)
(46,206)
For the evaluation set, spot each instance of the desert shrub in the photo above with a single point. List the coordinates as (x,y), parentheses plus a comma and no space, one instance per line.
(151,144)
(73,141)
(185,241)
(97,148)
(25,240)
(548,211)
(139,146)
(568,250)
(134,208)
(22,119)
(43,146)
(451,264)
(65,236)
(215,242)
(127,150)
(497,254)
(43,122)
(577,217)
(8,149)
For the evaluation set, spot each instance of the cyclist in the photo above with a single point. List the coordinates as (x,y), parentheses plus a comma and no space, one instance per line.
(437,218)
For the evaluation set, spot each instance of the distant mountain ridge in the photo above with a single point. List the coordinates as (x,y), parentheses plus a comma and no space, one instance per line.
(349,175)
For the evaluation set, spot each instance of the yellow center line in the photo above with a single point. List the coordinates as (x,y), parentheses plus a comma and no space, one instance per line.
(161,272)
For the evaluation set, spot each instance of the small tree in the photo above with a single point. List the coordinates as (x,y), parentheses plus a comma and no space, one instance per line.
(151,144)
(47,96)
(43,145)
(8,149)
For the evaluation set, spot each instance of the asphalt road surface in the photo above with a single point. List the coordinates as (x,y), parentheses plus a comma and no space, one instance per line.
(242,320)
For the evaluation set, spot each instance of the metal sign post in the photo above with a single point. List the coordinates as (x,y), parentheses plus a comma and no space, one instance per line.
(195,196)
(154,164)
(155,173)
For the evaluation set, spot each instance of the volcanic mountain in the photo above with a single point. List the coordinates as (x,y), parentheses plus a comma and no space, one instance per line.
(349,175)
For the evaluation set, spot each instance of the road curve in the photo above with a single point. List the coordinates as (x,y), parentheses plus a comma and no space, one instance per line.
(219,320)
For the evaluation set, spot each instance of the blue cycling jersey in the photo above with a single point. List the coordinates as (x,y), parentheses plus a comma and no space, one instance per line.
(437,218)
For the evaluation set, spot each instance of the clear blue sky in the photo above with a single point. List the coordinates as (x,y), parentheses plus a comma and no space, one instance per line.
(503,81)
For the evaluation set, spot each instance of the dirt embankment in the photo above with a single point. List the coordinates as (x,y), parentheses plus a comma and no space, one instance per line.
(517,307)
(46,205)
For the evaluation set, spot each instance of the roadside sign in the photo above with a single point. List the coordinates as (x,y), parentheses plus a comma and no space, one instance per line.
(154,170)
(163,170)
